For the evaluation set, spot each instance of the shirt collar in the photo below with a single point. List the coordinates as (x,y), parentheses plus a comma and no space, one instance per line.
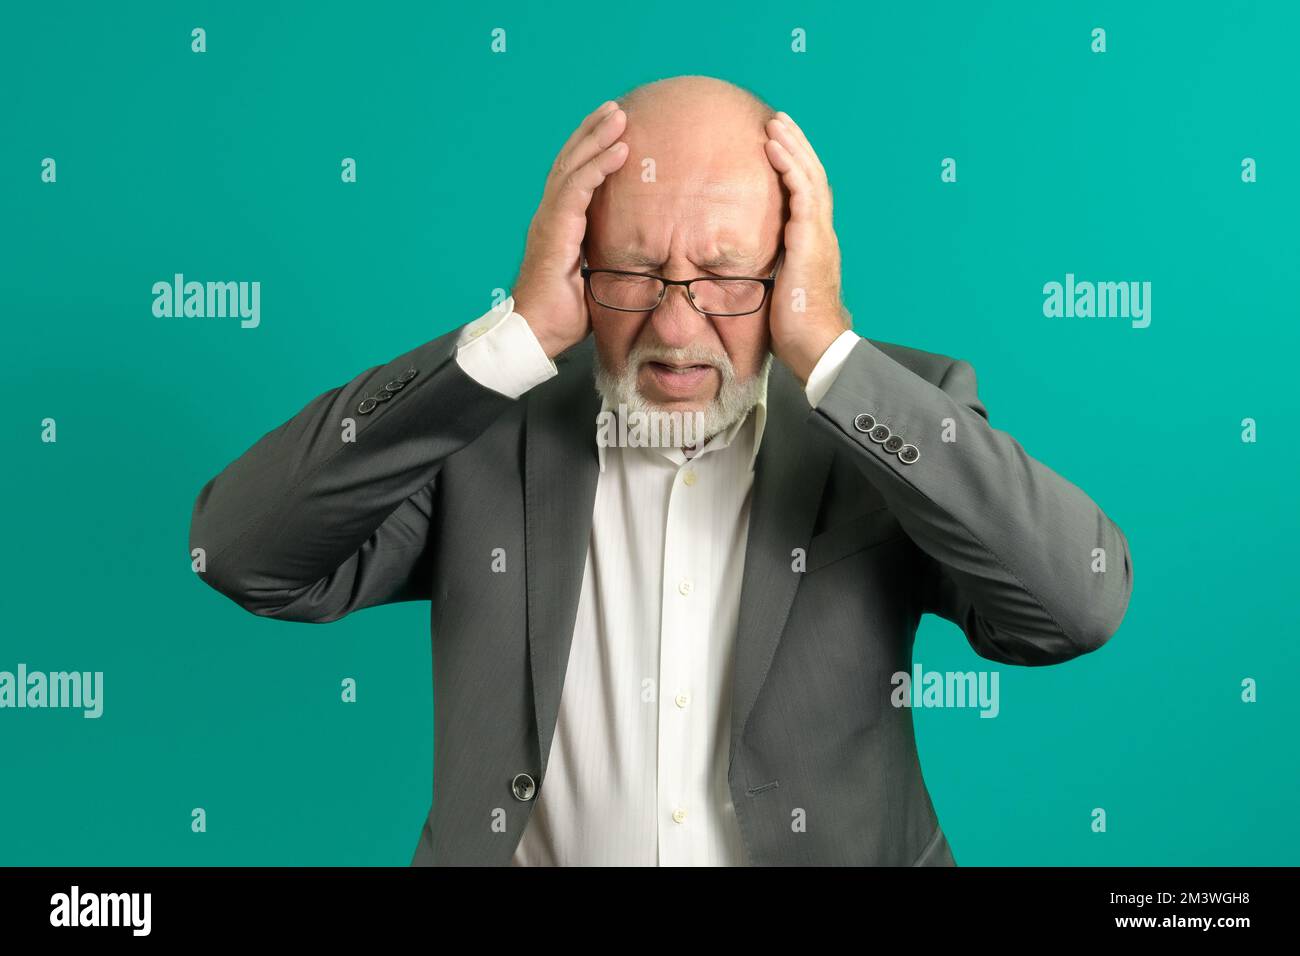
(722,439)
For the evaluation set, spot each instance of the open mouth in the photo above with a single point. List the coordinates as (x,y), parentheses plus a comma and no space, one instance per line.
(675,378)
(677,369)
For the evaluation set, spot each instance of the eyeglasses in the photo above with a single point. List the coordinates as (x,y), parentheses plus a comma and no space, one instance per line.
(638,292)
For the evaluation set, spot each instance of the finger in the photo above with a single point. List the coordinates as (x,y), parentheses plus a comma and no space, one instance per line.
(574,192)
(803,198)
(787,131)
(605,131)
(788,121)
(588,123)
(793,147)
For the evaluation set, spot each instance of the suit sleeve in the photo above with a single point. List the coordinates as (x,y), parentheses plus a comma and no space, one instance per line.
(1011,544)
(307,526)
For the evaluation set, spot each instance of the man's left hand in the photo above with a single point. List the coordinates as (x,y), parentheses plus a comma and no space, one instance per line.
(810,275)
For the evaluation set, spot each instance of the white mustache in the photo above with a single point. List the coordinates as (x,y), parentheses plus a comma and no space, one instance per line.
(687,355)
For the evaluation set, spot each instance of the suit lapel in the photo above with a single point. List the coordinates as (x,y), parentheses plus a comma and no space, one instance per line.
(560,473)
(789,477)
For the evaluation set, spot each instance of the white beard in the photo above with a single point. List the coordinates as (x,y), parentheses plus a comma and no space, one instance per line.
(734,400)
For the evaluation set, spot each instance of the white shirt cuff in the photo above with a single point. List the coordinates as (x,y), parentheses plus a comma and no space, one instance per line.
(828,366)
(499,351)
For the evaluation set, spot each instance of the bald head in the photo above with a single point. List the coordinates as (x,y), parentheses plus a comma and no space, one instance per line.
(685,92)
(697,190)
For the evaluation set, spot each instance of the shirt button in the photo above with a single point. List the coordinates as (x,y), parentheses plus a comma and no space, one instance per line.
(685,587)
(689,478)
(682,699)
(679,815)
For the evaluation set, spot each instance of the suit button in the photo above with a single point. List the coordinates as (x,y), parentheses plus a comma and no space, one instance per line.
(893,444)
(864,423)
(406,376)
(394,386)
(367,406)
(879,434)
(382,396)
(908,454)
(523,787)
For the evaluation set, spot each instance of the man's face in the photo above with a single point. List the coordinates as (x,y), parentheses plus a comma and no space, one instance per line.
(715,209)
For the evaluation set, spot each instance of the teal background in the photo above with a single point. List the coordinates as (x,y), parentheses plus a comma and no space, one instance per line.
(225,166)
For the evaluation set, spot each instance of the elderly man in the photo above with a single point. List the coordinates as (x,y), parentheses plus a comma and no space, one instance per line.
(676,654)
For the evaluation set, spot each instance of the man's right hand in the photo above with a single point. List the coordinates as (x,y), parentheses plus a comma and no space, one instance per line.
(549,291)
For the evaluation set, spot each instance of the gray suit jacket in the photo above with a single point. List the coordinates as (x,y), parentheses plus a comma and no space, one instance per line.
(307,527)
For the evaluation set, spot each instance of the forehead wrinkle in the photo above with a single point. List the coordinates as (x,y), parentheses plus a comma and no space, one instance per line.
(631,257)
(648,210)
(636,257)
(707,188)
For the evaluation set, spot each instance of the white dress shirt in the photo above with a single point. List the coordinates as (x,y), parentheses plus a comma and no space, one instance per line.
(637,774)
